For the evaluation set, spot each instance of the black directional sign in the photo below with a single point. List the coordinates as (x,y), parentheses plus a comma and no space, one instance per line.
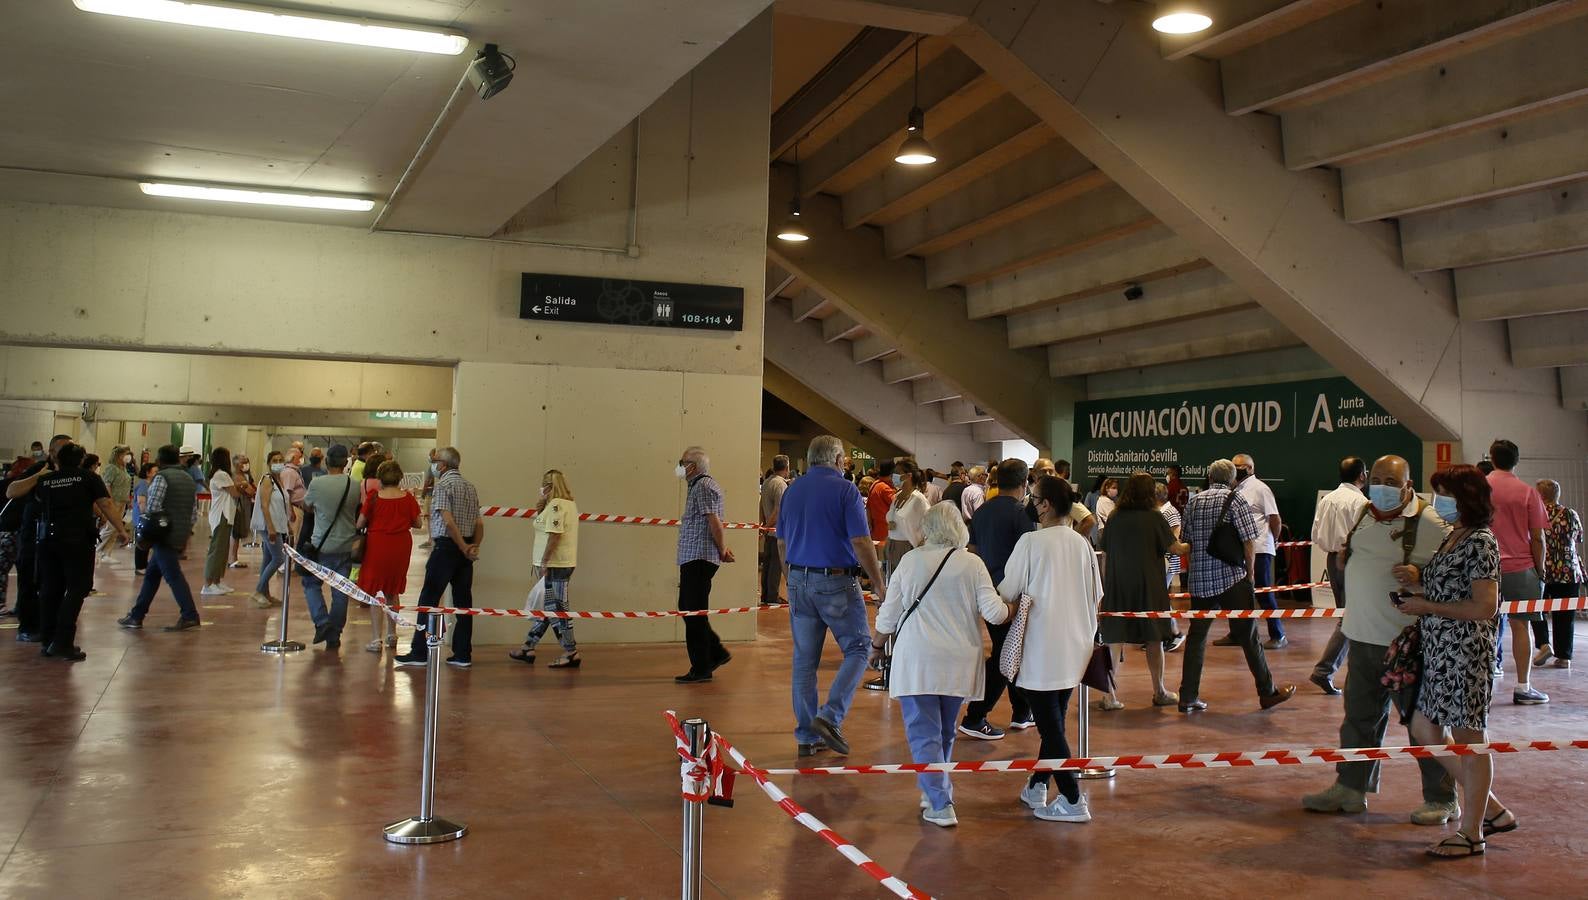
(610,301)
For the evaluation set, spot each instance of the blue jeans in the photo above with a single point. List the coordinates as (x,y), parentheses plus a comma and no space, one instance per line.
(929,721)
(274,558)
(1264,564)
(314,594)
(164,563)
(818,603)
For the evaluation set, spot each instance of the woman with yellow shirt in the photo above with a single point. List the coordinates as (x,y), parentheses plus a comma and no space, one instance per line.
(556,550)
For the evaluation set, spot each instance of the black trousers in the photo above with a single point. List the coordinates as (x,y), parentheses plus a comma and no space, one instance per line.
(27,599)
(694,592)
(66,575)
(140,558)
(1565,630)
(448,567)
(1049,709)
(1244,631)
(977,710)
(771,571)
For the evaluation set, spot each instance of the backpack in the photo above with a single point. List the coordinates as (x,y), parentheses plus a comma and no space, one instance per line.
(1408,534)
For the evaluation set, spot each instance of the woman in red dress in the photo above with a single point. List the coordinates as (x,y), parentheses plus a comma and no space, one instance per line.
(386,520)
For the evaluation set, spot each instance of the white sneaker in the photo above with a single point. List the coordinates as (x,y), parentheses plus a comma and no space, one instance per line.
(1062,810)
(1035,795)
(943,818)
(212,590)
(261,601)
(925,803)
(373,646)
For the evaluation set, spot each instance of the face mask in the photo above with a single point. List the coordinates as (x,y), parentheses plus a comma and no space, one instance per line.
(435,470)
(38,454)
(1445,508)
(680,471)
(1242,474)
(1385,498)
(898,480)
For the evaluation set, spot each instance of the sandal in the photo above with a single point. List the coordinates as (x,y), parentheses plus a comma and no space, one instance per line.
(523,655)
(1489,826)
(1459,842)
(566,661)
(1167,698)
(1108,705)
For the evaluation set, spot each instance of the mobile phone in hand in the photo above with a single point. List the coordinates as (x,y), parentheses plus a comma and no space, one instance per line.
(1398,598)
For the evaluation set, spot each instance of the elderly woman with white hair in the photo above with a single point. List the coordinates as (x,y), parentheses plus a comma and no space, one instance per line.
(934,598)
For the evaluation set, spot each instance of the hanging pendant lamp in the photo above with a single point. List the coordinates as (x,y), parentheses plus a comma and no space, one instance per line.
(915,150)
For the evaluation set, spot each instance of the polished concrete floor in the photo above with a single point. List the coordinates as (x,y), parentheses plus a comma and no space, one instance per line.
(190,765)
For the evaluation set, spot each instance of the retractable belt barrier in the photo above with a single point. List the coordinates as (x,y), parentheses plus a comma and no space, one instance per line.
(524,512)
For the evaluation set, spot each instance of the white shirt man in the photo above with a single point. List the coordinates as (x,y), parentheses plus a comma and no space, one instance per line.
(1336,514)
(975,493)
(1265,512)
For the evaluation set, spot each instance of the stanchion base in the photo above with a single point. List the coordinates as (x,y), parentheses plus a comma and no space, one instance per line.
(1091,774)
(280,647)
(424,831)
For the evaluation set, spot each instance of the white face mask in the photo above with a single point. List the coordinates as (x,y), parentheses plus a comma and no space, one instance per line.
(681,471)
(276,468)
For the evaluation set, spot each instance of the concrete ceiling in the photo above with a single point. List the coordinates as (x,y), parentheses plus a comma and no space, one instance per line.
(94,101)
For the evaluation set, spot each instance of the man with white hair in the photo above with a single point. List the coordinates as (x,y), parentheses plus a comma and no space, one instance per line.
(975,493)
(1221,578)
(825,541)
(702,547)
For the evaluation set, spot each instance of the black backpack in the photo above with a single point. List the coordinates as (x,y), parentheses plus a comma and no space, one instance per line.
(1225,544)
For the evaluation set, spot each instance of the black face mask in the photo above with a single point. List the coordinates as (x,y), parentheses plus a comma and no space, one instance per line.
(1242,474)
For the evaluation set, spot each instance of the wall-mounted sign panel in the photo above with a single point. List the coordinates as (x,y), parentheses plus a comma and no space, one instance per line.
(653,304)
(387,415)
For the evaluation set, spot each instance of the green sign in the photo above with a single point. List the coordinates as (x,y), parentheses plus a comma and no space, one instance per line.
(415,418)
(1296,433)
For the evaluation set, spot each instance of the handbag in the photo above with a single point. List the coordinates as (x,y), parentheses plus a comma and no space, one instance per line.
(1403,663)
(536,600)
(153,529)
(1224,543)
(355,550)
(307,548)
(1099,673)
(1014,649)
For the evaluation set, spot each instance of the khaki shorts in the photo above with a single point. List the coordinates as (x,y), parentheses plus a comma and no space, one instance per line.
(1523,585)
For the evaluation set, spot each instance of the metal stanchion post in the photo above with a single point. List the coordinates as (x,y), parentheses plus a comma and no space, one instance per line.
(426,828)
(697,733)
(281,644)
(1083,738)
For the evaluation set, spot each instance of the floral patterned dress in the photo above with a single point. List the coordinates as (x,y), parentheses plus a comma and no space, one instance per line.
(1561,563)
(1458,655)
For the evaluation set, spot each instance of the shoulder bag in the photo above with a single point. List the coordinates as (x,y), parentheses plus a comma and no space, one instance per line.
(1014,648)
(1224,543)
(307,548)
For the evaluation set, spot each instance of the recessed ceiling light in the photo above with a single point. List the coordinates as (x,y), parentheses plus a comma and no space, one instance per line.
(263,198)
(1183,22)
(262,20)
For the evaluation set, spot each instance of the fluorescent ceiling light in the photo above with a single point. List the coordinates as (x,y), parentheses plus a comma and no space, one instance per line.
(1182,23)
(263,198)
(256,20)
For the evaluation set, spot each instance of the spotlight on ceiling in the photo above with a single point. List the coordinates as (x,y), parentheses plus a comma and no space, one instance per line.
(262,198)
(1182,20)
(1134,291)
(915,150)
(793,229)
(280,23)
(491,71)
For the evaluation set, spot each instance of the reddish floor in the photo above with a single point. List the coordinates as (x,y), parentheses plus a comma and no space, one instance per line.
(190,765)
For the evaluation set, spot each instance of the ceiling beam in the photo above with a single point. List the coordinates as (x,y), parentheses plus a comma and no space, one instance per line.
(1525,287)
(1153,254)
(872,50)
(1551,220)
(993,431)
(857,97)
(1543,341)
(1238,24)
(839,327)
(959,411)
(1574,387)
(932,390)
(1225,334)
(808,304)
(1366,43)
(777,281)
(1536,152)
(993,136)
(899,368)
(785,386)
(870,348)
(1052,175)
(1190,296)
(1093,218)
(952,87)
(1494,86)
(927,325)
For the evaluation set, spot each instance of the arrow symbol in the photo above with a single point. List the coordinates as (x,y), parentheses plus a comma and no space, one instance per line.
(730,320)
(536,310)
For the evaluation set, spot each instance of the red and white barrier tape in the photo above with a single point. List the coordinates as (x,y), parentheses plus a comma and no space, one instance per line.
(706,778)
(579,614)
(1507,607)
(524,512)
(339,582)
(799,814)
(1276,589)
(1239,759)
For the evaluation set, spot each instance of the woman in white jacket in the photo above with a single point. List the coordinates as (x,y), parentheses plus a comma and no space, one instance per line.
(1057,568)
(935,596)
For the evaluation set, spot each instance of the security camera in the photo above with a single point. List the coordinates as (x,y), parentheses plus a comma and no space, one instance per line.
(1134,291)
(490,71)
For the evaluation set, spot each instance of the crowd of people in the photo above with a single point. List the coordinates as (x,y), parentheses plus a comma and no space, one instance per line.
(1049,572)
(1019,549)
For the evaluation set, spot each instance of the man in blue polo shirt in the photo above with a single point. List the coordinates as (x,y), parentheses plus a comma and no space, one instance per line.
(826,542)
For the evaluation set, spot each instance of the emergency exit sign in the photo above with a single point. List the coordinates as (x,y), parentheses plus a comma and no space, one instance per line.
(651,304)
